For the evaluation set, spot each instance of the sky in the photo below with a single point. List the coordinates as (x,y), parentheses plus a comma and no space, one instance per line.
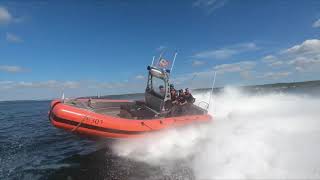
(102,47)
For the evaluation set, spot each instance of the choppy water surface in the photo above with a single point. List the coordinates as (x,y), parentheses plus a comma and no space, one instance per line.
(274,134)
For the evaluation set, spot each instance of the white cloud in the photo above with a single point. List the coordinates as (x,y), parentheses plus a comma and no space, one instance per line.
(276,63)
(55,84)
(197,63)
(139,76)
(209,5)
(275,75)
(316,24)
(5,16)
(71,84)
(161,48)
(216,54)
(311,46)
(5,84)
(227,52)
(113,85)
(269,59)
(246,75)
(235,67)
(272,61)
(13,38)
(11,69)
(247,46)
(304,64)
(11,90)
(203,78)
(304,57)
(51,84)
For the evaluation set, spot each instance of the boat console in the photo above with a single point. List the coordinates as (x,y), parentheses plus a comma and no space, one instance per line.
(157,98)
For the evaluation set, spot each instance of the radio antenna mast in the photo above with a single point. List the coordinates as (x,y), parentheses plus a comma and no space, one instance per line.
(174,59)
(152,60)
(213,82)
(62,95)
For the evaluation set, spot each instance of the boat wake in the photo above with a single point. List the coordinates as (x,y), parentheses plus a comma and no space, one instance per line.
(252,136)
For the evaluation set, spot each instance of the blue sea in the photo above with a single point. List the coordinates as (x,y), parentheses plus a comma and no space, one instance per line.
(31,148)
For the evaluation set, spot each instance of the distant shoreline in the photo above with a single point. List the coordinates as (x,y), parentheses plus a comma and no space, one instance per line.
(114,96)
(289,84)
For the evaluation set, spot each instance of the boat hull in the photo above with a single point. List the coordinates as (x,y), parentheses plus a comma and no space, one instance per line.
(88,122)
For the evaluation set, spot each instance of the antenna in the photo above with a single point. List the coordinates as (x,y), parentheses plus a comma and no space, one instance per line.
(213,82)
(174,59)
(62,96)
(153,60)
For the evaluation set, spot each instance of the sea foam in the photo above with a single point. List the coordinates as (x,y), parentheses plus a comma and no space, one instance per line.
(251,137)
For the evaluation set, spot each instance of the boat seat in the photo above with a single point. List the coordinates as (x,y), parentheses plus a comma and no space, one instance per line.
(154,101)
(136,111)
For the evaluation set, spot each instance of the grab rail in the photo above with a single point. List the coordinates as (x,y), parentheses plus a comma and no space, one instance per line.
(203,102)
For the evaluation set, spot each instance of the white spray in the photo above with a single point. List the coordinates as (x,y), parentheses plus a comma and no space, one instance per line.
(251,137)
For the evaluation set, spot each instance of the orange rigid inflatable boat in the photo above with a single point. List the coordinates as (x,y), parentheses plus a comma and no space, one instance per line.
(126,118)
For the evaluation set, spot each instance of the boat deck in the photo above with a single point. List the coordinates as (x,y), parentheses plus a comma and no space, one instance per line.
(125,109)
(112,111)
(100,107)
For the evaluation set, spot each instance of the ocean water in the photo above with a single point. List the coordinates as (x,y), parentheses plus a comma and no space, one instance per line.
(262,132)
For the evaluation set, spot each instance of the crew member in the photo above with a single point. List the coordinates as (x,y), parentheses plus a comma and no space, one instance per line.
(174,97)
(90,102)
(162,91)
(178,103)
(188,96)
(171,87)
(172,106)
(181,102)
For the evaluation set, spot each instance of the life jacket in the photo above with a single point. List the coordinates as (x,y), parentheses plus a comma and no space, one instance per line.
(189,97)
(173,96)
(181,99)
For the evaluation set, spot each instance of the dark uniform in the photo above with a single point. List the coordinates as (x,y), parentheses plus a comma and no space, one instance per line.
(179,108)
(189,98)
(172,102)
(174,96)
(182,104)
(172,87)
(181,99)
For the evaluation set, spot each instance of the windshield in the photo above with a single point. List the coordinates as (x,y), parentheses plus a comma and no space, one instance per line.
(158,86)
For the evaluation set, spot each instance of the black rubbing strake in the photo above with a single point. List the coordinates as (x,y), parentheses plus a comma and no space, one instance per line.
(97,128)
